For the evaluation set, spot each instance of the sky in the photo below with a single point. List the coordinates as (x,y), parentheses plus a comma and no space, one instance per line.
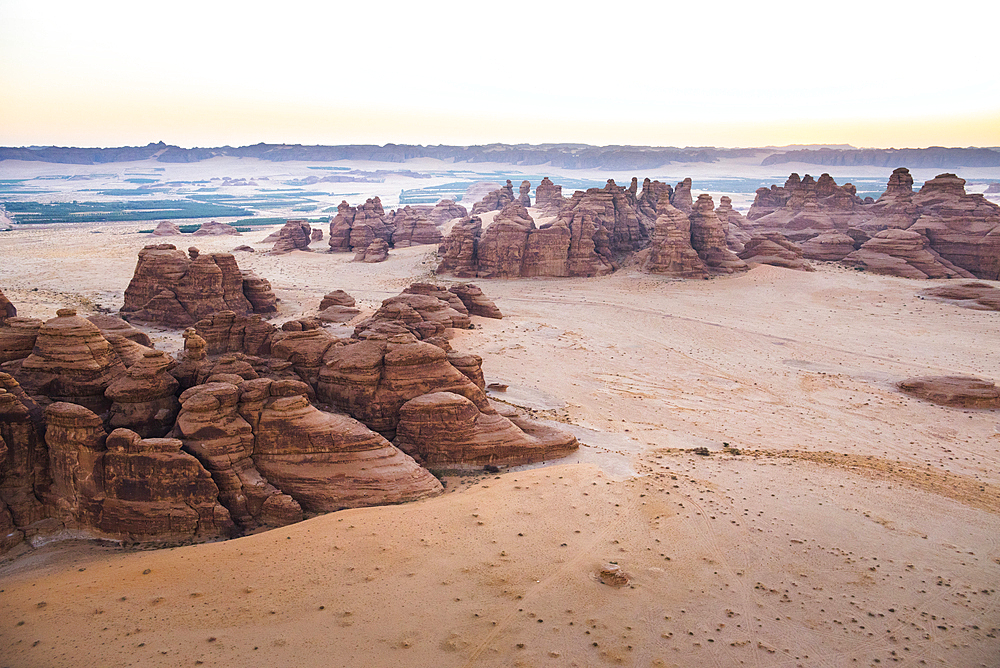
(214,73)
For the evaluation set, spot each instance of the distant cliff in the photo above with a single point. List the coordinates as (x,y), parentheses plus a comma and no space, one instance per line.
(567,156)
(935,156)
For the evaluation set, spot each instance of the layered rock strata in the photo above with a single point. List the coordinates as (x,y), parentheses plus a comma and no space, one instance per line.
(774,249)
(294,235)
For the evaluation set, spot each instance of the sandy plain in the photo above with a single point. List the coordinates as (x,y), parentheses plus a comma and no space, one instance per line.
(834,522)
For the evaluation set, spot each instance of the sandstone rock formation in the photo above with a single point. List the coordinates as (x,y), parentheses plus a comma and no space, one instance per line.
(258,292)
(295,235)
(495,200)
(325,461)
(904,253)
(316,235)
(671,252)
(459,250)
(476,303)
(708,238)
(226,331)
(502,245)
(7,310)
(652,193)
(24,468)
(166,228)
(978,296)
(114,326)
(738,228)
(72,362)
(549,197)
(355,229)
(337,306)
(774,249)
(376,251)
(144,399)
(524,194)
(336,298)
(831,246)
(423,315)
(214,228)
(956,391)
(413,228)
(17,338)
(172,289)
(681,197)
(448,430)
(805,207)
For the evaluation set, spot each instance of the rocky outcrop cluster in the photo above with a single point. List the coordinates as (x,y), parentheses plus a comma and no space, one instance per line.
(214,228)
(496,200)
(413,228)
(174,289)
(294,235)
(549,197)
(904,253)
(376,251)
(337,306)
(103,436)
(354,229)
(774,249)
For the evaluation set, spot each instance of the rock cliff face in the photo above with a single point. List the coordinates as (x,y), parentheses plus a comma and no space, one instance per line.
(144,399)
(17,338)
(460,250)
(476,303)
(173,289)
(549,197)
(376,251)
(671,252)
(805,207)
(413,228)
(708,238)
(354,229)
(295,235)
(904,253)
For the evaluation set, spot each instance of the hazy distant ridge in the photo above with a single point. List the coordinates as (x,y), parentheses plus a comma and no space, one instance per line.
(567,156)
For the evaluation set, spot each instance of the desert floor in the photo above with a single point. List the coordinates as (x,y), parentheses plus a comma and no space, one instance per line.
(845,523)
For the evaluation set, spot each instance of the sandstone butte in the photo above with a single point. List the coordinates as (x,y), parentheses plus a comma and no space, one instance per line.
(939,232)
(103,436)
(355,229)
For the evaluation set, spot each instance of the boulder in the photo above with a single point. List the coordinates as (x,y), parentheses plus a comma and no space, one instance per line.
(316,235)
(476,303)
(336,298)
(955,391)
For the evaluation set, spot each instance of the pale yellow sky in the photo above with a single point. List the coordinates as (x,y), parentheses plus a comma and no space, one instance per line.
(714,73)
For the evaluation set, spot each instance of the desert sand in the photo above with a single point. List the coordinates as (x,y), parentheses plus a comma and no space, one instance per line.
(829,521)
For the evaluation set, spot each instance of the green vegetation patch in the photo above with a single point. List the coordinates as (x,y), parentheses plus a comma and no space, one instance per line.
(28,213)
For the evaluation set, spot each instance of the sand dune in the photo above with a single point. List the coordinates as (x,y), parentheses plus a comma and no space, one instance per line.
(833,521)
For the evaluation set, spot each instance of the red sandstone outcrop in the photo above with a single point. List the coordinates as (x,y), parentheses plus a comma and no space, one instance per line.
(214,228)
(447,429)
(524,194)
(495,200)
(72,362)
(831,246)
(7,310)
(144,399)
(355,229)
(316,235)
(295,235)
(904,253)
(423,315)
(376,251)
(172,289)
(413,228)
(978,296)
(337,306)
(336,298)
(24,468)
(681,197)
(226,331)
(458,251)
(258,292)
(708,238)
(671,252)
(17,338)
(805,207)
(213,430)
(549,197)
(111,325)
(325,461)
(372,379)
(476,303)
(652,193)
(501,247)
(956,391)
(738,228)
(774,249)
(438,291)
(166,228)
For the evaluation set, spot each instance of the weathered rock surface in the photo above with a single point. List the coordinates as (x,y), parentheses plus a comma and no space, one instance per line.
(166,228)
(671,252)
(447,429)
(144,399)
(316,235)
(226,331)
(376,251)
(295,235)
(172,289)
(903,253)
(7,309)
(423,315)
(708,238)
(831,246)
(681,198)
(956,391)
(258,292)
(71,362)
(774,249)
(214,228)
(805,207)
(336,298)
(324,461)
(356,228)
(495,200)
(549,197)
(737,227)
(17,338)
(502,246)
(979,296)
(24,468)
(524,194)
(111,325)
(459,250)
(476,303)
(213,430)
(413,228)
